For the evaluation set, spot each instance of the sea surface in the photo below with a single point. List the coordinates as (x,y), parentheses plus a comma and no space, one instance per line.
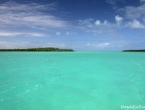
(71,80)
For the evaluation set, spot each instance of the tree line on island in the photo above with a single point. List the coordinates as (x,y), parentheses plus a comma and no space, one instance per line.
(53,49)
(142,50)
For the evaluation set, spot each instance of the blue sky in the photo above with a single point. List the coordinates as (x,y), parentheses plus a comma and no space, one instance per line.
(98,25)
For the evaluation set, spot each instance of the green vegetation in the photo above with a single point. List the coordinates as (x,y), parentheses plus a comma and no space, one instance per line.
(143,50)
(46,49)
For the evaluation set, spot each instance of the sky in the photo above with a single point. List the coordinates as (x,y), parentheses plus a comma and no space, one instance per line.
(83,25)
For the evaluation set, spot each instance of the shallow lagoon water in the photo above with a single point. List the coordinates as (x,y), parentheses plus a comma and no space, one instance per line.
(71,80)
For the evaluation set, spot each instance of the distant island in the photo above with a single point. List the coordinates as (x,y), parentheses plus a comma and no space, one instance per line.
(143,50)
(46,49)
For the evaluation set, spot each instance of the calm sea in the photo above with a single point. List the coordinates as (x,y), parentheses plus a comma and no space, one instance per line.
(71,81)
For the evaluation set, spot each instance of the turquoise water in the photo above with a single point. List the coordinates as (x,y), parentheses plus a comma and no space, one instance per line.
(71,81)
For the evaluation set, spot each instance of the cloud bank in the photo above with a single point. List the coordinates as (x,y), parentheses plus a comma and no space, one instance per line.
(29,15)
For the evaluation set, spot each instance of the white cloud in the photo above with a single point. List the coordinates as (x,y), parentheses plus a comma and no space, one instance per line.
(142,1)
(35,35)
(135,24)
(12,45)
(14,7)
(29,15)
(58,33)
(25,34)
(98,22)
(118,20)
(70,33)
(105,22)
(88,44)
(114,3)
(99,28)
(132,12)
(9,34)
(55,45)
(102,45)
(86,21)
(67,33)
(89,25)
